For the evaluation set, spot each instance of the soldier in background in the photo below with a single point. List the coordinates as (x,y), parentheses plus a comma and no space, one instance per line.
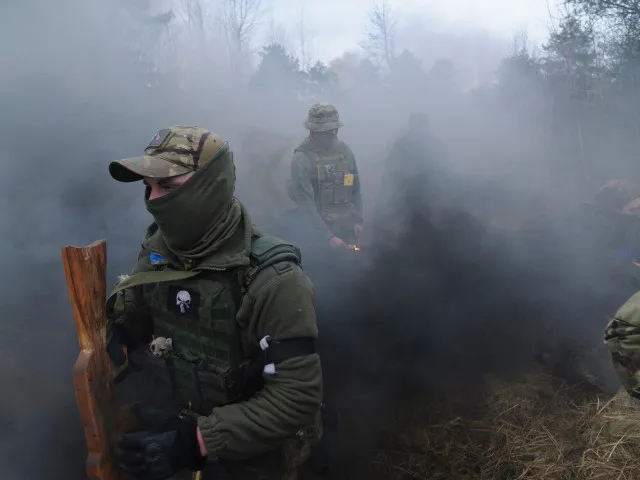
(324,180)
(263,165)
(415,176)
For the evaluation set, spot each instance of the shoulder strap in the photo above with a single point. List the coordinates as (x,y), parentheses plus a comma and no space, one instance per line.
(267,250)
(142,278)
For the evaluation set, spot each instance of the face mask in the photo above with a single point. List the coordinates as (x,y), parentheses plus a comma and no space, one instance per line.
(199,210)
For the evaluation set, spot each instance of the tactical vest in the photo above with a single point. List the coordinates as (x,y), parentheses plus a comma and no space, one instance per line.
(333,181)
(197,310)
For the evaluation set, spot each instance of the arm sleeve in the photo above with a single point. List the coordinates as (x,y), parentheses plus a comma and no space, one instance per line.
(357,192)
(622,339)
(292,397)
(304,194)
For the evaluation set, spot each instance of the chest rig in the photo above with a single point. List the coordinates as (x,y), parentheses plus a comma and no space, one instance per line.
(196,333)
(204,356)
(334,186)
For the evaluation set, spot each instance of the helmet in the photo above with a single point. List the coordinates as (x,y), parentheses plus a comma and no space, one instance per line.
(323,117)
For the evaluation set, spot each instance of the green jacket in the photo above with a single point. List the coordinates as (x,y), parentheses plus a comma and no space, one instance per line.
(278,302)
(304,189)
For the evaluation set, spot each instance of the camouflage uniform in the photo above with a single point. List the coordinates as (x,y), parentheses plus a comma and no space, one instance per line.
(325,183)
(225,294)
(622,339)
(616,207)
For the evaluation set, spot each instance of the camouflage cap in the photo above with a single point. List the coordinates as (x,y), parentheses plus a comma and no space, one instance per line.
(172,151)
(322,118)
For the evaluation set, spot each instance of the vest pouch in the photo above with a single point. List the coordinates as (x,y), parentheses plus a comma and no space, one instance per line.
(183,380)
(342,195)
(326,197)
(336,178)
(216,385)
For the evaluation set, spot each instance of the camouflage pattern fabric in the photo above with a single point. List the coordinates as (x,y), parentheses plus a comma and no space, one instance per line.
(171,152)
(323,117)
(622,339)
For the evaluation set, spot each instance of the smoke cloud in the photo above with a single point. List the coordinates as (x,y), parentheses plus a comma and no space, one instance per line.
(482,286)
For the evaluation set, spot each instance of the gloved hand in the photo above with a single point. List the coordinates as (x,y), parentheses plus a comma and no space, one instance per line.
(118,352)
(168,444)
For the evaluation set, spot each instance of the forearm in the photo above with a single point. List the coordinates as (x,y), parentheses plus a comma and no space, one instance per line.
(317,222)
(357,202)
(357,189)
(288,402)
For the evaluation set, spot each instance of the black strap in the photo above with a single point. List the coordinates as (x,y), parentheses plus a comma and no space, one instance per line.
(282,350)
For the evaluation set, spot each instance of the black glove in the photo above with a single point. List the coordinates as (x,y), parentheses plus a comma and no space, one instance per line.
(116,352)
(168,444)
(116,344)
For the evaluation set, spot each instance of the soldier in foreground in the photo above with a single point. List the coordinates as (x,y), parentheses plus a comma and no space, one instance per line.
(228,314)
(324,180)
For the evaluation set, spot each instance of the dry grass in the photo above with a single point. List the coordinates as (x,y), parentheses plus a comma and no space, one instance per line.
(538,429)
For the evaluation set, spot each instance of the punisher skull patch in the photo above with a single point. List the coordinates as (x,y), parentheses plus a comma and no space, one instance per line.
(183,302)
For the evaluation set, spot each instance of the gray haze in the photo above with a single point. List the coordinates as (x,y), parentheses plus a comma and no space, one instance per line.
(75,94)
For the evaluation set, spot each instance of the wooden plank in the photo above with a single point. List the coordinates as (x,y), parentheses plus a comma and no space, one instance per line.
(85,272)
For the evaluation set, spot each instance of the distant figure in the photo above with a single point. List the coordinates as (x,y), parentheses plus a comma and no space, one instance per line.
(264,162)
(414,169)
(324,180)
(611,218)
(614,196)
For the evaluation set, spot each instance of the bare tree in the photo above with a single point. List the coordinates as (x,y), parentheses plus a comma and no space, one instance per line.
(520,42)
(379,42)
(304,47)
(194,15)
(276,33)
(239,20)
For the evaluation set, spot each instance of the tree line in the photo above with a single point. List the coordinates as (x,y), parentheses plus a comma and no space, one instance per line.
(571,106)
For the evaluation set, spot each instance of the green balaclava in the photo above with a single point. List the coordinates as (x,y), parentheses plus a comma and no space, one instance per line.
(200,217)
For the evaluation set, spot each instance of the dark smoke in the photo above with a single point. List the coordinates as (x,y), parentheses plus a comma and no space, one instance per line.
(450,301)
(445,302)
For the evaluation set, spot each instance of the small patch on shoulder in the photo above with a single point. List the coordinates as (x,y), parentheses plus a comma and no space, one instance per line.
(123,277)
(157,259)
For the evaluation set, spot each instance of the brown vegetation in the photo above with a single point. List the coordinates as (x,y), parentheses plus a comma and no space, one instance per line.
(541,428)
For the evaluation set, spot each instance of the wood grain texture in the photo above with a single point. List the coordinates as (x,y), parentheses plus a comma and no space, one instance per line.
(85,271)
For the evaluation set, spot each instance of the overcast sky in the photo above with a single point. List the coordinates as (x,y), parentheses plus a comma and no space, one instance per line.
(334,26)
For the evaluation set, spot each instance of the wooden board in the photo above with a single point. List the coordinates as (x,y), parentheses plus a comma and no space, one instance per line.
(85,271)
